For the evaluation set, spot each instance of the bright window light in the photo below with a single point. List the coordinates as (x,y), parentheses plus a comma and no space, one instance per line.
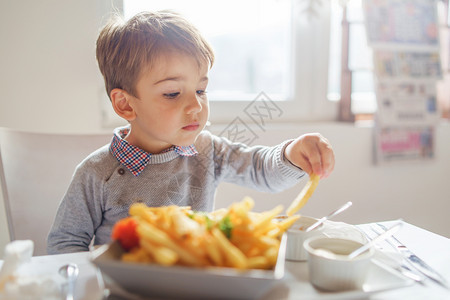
(251,41)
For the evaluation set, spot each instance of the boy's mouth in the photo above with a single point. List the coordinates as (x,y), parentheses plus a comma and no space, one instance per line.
(192,127)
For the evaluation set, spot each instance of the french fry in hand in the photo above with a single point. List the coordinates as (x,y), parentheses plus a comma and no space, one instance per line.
(304,195)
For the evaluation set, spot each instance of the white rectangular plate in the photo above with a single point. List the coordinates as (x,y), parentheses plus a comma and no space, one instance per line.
(185,282)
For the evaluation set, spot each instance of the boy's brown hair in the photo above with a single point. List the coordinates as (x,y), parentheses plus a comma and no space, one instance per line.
(125,48)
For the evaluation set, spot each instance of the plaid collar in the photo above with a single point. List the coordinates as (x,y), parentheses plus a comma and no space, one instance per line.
(136,159)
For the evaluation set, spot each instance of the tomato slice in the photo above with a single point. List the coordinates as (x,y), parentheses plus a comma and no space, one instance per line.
(125,232)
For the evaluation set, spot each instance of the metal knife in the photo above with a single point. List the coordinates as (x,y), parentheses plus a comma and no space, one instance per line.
(404,269)
(417,262)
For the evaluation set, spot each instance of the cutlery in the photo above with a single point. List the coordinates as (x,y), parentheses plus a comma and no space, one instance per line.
(416,262)
(403,269)
(334,213)
(376,239)
(70,271)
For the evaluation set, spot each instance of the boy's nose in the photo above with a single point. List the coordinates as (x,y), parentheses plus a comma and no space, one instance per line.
(194,105)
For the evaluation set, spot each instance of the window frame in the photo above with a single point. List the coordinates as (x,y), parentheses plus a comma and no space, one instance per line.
(307,98)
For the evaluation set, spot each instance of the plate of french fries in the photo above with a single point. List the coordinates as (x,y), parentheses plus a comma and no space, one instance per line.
(172,251)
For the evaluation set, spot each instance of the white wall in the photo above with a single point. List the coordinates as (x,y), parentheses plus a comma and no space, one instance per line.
(49,78)
(417,192)
(49,81)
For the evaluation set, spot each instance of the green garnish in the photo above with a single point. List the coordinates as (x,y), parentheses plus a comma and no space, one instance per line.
(226,226)
(209,222)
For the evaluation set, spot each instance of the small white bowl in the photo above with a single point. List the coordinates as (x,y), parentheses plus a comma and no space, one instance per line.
(296,235)
(330,268)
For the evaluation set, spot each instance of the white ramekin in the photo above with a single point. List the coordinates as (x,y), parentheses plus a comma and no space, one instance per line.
(336,272)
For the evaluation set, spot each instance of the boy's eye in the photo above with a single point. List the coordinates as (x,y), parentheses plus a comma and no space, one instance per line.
(201,92)
(171,95)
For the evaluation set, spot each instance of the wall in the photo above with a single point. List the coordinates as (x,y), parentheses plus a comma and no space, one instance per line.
(49,82)
(416,192)
(49,77)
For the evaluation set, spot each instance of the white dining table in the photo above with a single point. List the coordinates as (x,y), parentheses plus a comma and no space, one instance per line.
(432,248)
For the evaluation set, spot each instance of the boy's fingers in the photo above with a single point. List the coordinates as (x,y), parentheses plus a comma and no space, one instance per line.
(316,163)
(304,164)
(327,157)
(313,153)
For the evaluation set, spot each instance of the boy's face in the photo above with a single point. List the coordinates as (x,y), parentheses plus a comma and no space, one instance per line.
(171,105)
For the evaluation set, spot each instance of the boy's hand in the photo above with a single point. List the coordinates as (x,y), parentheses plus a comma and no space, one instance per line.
(312,153)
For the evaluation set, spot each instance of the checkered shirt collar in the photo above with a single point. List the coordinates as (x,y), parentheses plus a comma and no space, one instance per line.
(135,159)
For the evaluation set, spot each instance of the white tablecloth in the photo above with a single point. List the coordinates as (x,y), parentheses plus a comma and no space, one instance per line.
(432,248)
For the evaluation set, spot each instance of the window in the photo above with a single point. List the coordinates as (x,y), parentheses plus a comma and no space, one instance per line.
(272,49)
(251,41)
(266,49)
(315,66)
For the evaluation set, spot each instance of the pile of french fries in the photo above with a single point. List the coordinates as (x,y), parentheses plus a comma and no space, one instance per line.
(234,237)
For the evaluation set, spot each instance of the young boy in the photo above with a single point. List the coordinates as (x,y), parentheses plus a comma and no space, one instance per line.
(155,68)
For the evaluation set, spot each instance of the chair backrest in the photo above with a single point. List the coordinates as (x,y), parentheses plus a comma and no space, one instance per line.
(35,171)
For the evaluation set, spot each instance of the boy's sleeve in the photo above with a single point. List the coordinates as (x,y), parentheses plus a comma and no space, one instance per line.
(78,214)
(259,167)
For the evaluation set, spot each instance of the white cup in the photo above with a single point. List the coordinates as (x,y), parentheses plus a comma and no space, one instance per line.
(330,268)
(296,235)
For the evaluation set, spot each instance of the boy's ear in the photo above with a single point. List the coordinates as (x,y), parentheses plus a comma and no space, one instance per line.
(120,100)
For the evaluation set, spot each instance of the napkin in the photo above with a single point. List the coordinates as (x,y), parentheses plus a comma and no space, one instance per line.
(18,279)
(343,230)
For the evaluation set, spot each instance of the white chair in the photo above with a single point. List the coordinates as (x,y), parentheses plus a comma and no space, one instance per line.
(35,171)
